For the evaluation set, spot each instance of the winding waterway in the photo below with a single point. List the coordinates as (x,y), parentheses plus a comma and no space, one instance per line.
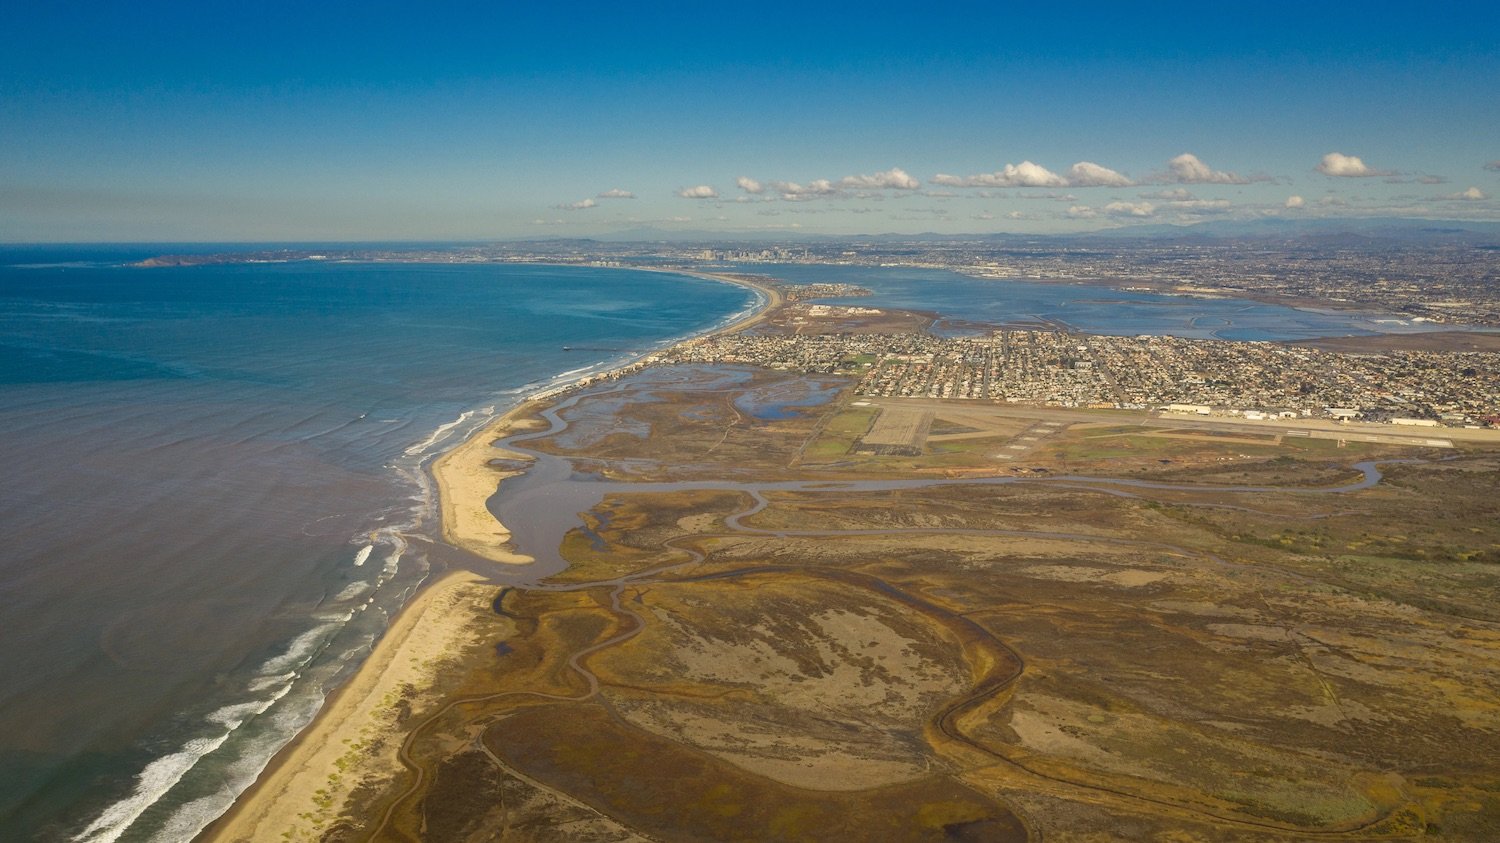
(544,503)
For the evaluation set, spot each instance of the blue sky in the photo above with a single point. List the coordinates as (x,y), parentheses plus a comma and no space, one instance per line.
(236,121)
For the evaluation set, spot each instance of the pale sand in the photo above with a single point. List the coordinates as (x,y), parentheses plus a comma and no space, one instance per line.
(466,480)
(355,737)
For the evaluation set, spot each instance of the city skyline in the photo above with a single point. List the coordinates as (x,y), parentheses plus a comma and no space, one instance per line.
(170,123)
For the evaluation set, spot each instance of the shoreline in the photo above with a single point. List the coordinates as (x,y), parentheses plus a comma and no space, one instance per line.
(287,787)
(465,480)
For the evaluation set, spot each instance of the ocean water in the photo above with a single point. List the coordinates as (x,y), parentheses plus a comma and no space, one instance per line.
(1098,310)
(214,499)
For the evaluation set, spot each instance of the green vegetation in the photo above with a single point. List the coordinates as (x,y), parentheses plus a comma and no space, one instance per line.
(838,436)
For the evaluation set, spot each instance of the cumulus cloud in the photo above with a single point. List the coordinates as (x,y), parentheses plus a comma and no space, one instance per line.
(579,205)
(1130,209)
(893,179)
(1176,194)
(1024,174)
(1028,174)
(794,191)
(982,215)
(701,191)
(1295,202)
(1082,212)
(1473,194)
(1089,174)
(1493,165)
(856,186)
(616,193)
(1347,166)
(1187,168)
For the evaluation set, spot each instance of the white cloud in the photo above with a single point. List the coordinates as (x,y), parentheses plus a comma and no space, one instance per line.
(1176,194)
(1295,202)
(1187,168)
(1493,165)
(1089,174)
(1183,201)
(1028,174)
(1347,166)
(1082,212)
(679,219)
(1332,202)
(793,191)
(1202,206)
(1432,180)
(1055,197)
(1473,194)
(1025,174)
(1130,209)
(983,215)
(856,186)
(893,179)
(579,205)
(616,193)
(701,191)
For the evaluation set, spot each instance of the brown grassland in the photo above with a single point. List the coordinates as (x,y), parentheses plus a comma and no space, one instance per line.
(1050,659)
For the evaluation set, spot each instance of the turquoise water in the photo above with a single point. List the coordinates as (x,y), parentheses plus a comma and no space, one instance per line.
(214,496)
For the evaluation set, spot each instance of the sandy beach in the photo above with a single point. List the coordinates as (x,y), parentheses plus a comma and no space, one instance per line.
(354,739)
(466,480)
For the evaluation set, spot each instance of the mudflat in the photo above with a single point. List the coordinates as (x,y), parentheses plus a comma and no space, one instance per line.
(1227,635)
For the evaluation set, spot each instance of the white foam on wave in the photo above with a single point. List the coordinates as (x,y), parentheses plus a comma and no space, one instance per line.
(351,591)
(439,434)
(299,652)
(260,683)
(154,781)
(190,818)
(233,716)
(363,554)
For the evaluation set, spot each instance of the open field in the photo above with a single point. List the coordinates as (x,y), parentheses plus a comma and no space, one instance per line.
(1427,341)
